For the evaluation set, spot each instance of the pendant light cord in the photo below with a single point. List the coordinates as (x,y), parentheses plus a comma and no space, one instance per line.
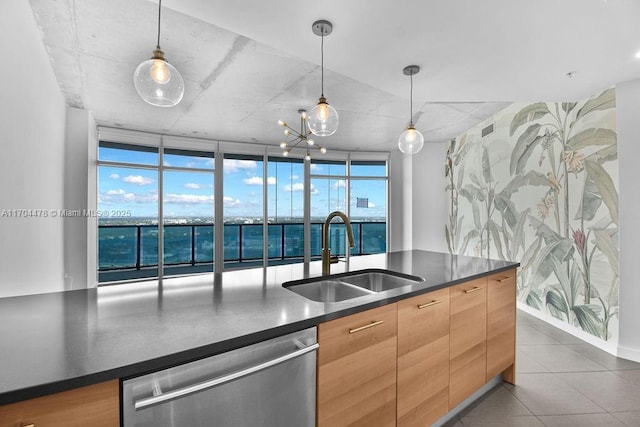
(322,64)
(411,101)
(159,12)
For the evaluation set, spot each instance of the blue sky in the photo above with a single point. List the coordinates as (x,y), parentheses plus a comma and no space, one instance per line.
(191,194)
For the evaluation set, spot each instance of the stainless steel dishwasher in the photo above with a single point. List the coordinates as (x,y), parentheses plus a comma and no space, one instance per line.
(271,383)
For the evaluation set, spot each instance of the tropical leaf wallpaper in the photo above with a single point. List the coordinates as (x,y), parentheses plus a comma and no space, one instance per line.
(542,190)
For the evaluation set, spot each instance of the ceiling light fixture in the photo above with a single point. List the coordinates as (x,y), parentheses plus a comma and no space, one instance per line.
(299,137)
(323,118)
(411,140)
(158,82)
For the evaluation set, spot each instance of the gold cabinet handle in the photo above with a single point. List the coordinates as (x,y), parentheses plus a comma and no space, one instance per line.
(503,279)
(362,328)
(28,425)
(429,304)
(475,288)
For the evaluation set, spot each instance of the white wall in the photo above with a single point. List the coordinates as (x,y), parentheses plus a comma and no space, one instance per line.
(32,127)
(80,147)
(628,118)
(396,201)
(429,198)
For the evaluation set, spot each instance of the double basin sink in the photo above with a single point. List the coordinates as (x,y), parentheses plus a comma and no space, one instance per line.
(347,286)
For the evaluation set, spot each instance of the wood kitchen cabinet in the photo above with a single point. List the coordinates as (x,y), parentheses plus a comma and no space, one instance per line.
(468,339)
(357,369)
(501,325)
(97,405)
(423,358)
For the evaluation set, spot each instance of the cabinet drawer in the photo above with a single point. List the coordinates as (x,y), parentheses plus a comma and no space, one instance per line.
(501,322)
(96,405)
(350,334)
(422,320)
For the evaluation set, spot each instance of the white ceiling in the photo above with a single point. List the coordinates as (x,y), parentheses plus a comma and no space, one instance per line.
(248,63)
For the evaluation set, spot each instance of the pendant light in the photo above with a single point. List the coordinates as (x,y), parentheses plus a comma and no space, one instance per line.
(411,140)
(158,82)
(298,138)
(323,118)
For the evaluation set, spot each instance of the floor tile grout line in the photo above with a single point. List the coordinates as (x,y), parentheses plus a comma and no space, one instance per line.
(577,391)
(579,355)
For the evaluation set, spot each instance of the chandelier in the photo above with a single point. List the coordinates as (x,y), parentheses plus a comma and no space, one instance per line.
(294,138)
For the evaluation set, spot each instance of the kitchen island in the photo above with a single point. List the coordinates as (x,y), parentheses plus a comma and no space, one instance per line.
(60,341)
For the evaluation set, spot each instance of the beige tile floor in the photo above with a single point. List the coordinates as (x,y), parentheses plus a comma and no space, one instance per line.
(561,382)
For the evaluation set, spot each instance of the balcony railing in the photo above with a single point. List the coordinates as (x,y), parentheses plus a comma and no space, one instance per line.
(135,247)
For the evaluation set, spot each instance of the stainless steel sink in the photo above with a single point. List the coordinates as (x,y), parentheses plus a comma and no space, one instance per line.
(346,286)
(328,290)
(378,281)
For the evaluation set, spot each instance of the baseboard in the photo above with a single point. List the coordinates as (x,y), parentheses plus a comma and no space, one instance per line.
(632,354)
(608,346)
(468,401)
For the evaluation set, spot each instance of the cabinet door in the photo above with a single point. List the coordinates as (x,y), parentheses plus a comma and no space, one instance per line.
(357,369)
(96,405)
(423,358)
(468,339)
(501,325)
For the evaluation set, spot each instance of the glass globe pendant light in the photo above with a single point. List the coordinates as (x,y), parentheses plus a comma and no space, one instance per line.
(411,140)
(158,82)
(323,118)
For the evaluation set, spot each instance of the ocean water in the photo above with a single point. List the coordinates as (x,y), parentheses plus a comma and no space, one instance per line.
(136,246)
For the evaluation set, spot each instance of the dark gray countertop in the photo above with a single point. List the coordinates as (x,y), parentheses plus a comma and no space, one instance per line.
(58,341)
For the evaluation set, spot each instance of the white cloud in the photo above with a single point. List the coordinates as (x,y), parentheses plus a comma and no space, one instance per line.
(230,202)
(254,180)
(188,198)
(295,187)
(341,183)
(192,185)
(234,165)
(114,176)
(300,187)
(257,180)
(315,167)
(115,197)
(137,180)
(294,177)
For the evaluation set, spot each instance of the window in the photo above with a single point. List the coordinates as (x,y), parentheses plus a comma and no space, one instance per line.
(358,188)
(368,206)
(157,205)
(243,210)
(188,211)
(285,210)
(131,208)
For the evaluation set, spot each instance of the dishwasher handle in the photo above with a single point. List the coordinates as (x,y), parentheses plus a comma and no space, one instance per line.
(194,388)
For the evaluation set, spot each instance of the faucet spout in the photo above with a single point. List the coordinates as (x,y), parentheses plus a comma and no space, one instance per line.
(326,250)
